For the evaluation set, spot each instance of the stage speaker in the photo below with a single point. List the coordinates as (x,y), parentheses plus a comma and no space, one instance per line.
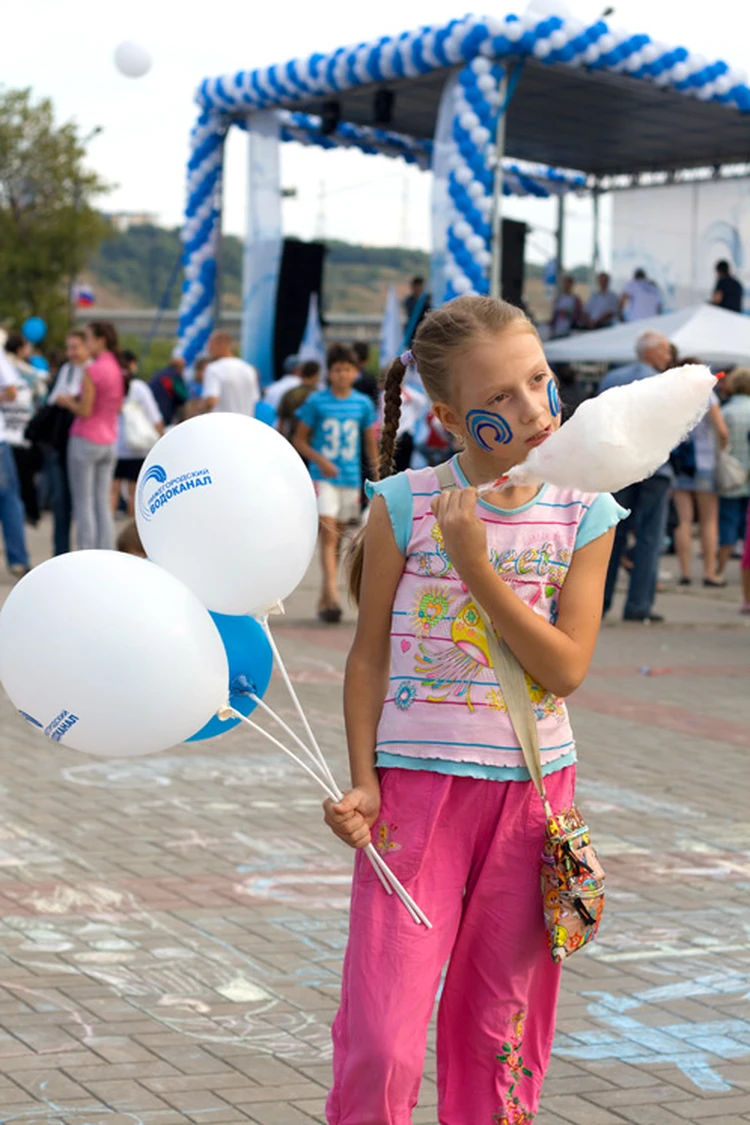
(300,275)
(514,247)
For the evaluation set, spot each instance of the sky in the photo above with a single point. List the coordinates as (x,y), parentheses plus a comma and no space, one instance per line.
(145,122)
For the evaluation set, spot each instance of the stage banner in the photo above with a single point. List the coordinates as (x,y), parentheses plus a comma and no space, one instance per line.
(443,152)
(263,244)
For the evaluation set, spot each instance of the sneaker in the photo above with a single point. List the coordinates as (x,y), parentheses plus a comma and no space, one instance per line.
(18,570)
(645,618)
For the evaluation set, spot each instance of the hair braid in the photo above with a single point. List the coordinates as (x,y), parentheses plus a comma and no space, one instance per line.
(391,416)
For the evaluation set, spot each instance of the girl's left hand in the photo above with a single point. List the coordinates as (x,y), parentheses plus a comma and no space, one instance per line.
(464,534)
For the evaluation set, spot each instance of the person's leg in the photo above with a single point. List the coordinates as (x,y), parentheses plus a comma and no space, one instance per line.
(81,464)
(392,967)
(103,472)
(627,498)
(496,1020)
(731,511)
(683,535)
(650,521)
(745,565)
(708,521)
(25,467)
(11,511)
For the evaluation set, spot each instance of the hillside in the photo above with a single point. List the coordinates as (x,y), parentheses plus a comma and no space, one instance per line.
(136,268)
(139,268)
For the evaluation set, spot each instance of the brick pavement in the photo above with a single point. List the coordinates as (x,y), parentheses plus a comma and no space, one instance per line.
(171,928)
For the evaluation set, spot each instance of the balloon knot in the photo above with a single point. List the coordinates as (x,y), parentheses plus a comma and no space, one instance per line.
(240,685)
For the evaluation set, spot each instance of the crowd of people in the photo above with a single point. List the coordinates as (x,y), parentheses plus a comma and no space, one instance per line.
(640,298)
(74,441)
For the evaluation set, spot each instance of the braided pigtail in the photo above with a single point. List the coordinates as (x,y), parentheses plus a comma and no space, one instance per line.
(391,416)
(394,379)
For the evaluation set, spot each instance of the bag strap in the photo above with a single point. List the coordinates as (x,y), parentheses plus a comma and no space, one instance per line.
(510,675)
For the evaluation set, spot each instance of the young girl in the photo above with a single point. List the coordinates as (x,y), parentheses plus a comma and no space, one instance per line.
(438,777)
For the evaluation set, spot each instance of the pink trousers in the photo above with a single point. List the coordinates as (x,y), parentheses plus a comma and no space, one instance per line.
(469,852)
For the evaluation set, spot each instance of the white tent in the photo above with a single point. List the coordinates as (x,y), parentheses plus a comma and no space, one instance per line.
(703,332)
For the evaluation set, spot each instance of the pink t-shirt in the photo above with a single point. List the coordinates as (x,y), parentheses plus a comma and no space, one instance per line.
(109,387)
(444,700)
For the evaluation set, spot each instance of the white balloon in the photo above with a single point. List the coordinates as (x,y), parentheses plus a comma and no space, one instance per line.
(132,60)
(544,8)
(109,654)
(226,504)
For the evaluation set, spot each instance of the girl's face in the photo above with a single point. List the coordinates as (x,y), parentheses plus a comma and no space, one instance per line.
(505,398)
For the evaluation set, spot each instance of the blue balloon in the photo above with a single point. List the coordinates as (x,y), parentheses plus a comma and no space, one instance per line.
(264,412)
(39,362)
(34,329)
(250,666)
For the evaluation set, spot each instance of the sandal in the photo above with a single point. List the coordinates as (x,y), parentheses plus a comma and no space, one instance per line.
(685,582)
(714,583)
(331,614)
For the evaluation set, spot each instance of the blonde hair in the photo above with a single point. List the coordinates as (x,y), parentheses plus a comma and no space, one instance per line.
(738,381)
(442,335)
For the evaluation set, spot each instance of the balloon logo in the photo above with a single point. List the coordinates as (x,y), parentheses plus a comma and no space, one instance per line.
(34,329)
(132,60)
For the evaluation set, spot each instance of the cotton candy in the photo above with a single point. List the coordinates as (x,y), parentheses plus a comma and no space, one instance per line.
(623,435)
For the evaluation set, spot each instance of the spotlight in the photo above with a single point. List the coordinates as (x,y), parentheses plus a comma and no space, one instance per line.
(330,117)
(382,107)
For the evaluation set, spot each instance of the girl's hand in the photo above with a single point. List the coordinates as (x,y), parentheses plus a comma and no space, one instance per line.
(464,534)
(353,816)
(328,469)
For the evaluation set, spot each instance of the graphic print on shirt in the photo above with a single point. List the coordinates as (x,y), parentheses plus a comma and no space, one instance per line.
(436,563)
(341,439)
(430,607)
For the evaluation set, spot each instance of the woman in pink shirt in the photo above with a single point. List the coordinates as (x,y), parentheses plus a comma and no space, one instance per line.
(93,438)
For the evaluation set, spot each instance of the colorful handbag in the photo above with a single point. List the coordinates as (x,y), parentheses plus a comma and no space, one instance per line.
(572,877)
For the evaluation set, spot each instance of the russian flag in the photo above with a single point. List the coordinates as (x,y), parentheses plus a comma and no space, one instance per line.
(84,297)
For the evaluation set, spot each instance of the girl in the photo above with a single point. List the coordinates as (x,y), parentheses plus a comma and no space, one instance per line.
(437,772)
(91,446)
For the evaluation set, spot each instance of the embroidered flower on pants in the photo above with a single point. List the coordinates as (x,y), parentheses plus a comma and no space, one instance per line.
(405,696)
(383,838)
(512,1112)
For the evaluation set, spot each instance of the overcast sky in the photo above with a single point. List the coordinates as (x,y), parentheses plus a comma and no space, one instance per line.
(64,50)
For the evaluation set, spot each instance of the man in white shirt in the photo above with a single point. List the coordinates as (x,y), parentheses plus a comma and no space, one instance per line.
(291,378)
(11,507)
(602,306)
(229,384)
(640,298)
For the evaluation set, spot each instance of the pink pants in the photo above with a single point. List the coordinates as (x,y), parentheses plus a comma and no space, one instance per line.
(469,852)
(745,565)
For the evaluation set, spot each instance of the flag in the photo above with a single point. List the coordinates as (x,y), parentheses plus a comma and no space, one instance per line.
(312,346)
(83,296)
(391,329)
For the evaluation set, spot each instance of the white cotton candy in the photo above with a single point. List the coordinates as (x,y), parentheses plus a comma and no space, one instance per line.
(623,435)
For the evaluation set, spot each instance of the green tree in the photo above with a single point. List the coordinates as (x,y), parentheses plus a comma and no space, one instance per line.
(48,227)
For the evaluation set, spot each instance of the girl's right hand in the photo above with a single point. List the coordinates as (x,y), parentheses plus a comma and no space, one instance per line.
(353,816)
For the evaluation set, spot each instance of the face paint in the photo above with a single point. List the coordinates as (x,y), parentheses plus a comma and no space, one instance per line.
(488,429)
(553,398)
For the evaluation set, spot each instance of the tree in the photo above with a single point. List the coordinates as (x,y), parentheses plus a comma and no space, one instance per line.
(48,227)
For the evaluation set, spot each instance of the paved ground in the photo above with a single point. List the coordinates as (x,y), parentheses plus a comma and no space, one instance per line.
(171,928)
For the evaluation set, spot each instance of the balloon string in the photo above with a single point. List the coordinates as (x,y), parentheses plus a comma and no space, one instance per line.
(313,757)
(381,868)
(295,700)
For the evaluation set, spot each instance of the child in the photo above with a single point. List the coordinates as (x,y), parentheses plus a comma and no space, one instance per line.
(438,777)
(331,427)
(291,401)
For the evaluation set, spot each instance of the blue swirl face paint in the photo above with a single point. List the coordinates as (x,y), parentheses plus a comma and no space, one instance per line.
(553,398)
(488,429)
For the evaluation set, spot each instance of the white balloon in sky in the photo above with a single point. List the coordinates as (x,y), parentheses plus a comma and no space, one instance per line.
(544,8)
(132,60)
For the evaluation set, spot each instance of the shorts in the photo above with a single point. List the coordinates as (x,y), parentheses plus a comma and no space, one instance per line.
(340,504)
(128,468)
(703,481)
(732,517)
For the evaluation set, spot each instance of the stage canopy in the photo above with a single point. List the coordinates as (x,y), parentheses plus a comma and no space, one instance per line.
(704,332)
(539,103)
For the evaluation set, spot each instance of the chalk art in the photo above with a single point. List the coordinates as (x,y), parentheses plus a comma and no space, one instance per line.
(697,1049)
(251,769)
(69,1115)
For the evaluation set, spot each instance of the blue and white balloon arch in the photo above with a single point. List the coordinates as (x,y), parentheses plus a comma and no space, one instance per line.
(483,48)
